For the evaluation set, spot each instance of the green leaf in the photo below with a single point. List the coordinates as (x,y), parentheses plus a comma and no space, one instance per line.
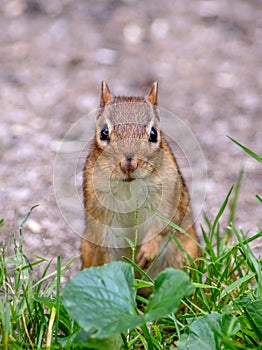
(252,316)
(229,326)
(206,332)
(102,299)
(170,287)
(201,335)
(112,343)
(255,312)
(81,340)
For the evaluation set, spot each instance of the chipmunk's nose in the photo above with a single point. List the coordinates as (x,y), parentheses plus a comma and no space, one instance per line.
(128,165)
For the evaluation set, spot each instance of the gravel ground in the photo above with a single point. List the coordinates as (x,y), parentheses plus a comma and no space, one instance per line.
(206,56)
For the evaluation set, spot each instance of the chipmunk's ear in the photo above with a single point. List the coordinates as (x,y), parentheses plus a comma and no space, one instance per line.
(152,96)
(106,96)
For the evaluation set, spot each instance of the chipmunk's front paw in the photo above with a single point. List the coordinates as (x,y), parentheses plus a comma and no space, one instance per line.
(148,251)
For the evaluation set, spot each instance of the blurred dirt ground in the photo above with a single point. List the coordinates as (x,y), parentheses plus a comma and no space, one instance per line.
(206,56)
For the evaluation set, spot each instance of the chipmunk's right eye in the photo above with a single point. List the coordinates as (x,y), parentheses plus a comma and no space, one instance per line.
(152,135)
(104,134)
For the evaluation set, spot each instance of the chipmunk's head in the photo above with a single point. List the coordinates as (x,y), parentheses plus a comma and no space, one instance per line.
(128,135)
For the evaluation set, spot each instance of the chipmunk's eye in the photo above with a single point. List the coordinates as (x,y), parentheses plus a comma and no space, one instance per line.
(104,134)
(152,135)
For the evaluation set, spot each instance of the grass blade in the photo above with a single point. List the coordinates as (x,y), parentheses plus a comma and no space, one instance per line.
(176,227)
(219,214)
(236,284)
(254,264)
(138,268)
(233,205)
(58,296)
(247,150)
(259,198)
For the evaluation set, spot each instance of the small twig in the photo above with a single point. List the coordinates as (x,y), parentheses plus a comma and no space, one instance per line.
(50,328)
(26,331)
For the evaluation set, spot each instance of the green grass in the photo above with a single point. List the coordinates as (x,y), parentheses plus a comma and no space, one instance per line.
(222,311)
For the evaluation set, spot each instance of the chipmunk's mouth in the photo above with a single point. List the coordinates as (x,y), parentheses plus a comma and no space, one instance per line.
(128,179)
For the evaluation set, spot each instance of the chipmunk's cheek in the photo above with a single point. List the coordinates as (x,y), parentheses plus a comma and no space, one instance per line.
(116,173)
(145,167)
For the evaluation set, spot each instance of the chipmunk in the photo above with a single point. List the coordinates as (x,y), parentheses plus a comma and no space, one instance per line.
(129,174)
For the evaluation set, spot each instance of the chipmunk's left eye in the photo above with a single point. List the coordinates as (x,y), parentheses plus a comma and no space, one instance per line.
(104,134)
(152,135)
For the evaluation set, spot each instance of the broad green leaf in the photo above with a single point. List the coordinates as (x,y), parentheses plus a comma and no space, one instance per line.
(170,287)
(251,319)
(205,333)
(201,335)
(229,325)
(255,311)
(82,340)
(113,343)
(244,300)
(102,299)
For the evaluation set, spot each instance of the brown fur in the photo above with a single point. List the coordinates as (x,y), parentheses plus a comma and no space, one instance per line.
(111,177)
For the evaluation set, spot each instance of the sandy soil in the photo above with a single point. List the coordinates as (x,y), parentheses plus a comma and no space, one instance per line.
(206,56)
